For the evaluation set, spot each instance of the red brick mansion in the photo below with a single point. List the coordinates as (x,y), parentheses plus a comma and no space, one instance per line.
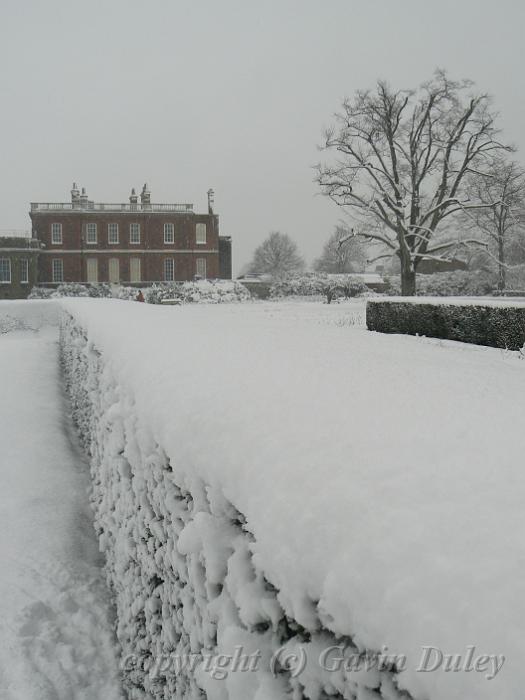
(137,242)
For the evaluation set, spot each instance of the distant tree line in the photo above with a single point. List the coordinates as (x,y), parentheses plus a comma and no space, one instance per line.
(279,256)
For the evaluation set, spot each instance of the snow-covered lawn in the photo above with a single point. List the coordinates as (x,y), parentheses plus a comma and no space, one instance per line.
(382,476)
(56,640)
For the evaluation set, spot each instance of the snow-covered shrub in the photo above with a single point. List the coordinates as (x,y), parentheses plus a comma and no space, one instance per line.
(215,291)
(180,561)
(319,284)
(516,278)
(102,290)
(307,284)
(457,283)
(346,287)
(126,293)
(444,284)
(72,289)
(158,292)
(40,293)
(202,292)
(495,324)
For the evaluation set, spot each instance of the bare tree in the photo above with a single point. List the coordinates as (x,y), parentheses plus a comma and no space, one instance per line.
(400,161)
(341,253)
(277,255)
(502,222)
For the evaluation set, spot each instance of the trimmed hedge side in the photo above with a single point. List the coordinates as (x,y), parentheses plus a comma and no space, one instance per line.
(492,325)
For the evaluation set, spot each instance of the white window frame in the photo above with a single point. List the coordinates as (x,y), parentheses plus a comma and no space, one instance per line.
(57,262)
(56,234)
(112,230)
(169,233)
(24,271)
(200,234)
(200,262)
(5,267)
(169,276)
(90,229)
(134,233)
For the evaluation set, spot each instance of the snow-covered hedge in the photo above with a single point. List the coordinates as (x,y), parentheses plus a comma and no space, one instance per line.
(72,289)
(202,292)
(319,284)
(184,564)
(444,284)
(498,324)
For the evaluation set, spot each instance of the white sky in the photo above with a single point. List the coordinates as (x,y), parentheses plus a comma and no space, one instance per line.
(229,94)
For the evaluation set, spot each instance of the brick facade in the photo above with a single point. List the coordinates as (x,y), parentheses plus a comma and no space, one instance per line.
(18,267)
(84,248)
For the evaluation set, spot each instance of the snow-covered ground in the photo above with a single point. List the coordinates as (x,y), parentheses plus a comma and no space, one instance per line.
(56,639)
(381,476)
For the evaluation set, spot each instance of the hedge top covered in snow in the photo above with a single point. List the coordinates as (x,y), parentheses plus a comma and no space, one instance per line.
(453,301)
(382,477)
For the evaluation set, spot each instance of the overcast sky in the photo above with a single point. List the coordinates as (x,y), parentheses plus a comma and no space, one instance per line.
(229,94)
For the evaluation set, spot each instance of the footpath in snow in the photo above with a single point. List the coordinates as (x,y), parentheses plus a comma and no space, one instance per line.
(56,639)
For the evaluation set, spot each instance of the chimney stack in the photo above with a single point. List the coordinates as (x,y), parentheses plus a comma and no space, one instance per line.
(145,197)
(211,200)
(75,196)
(133,199)
(83,199)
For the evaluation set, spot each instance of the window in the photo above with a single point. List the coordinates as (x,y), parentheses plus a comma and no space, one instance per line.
(112,233)
(92,270)
(56,234)
(200,234)
(58,270)
(134,233)
(5,271)
(169,270)
(169,233)
(201,267)
(134,270)
(114,271)
(91,233)
(24,271)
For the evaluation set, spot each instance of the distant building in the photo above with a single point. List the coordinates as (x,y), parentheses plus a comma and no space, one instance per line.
(18,266)
(429,267)
(225,257)
(137,243)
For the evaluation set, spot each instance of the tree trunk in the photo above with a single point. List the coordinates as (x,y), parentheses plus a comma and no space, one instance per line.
(408,278)
(502,273)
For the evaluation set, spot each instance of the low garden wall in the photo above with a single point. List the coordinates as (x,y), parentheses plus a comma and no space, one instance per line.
(494,323)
